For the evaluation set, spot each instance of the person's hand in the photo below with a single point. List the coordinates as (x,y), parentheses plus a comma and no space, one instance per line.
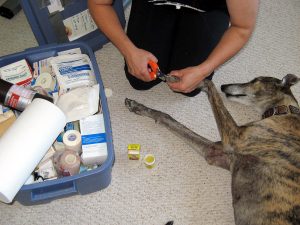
(137,62)
(190,78)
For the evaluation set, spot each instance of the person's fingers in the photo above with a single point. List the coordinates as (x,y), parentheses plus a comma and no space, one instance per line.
(176,86)
(137,71)
(176,73)
(145,75)
(153,58)
(182,86)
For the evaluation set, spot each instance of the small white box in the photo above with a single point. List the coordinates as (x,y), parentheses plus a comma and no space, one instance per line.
(17,73)
(94,145)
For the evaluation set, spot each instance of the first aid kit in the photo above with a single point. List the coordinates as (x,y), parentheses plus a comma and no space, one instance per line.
(59,172)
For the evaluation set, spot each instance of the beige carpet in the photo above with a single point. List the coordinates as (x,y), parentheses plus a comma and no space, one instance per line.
(182,187)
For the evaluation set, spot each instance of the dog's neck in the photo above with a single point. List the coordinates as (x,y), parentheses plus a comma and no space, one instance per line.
(287,105)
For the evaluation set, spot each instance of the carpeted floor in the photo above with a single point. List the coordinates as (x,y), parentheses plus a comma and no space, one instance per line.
(182,187)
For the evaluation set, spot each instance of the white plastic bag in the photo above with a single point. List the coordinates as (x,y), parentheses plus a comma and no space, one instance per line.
(79,102)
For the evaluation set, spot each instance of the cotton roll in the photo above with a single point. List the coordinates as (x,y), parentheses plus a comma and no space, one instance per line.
(72,141)
(25,143)
(46,81)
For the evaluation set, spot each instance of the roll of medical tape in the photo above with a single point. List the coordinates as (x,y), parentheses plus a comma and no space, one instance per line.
(72,141)
(69,163)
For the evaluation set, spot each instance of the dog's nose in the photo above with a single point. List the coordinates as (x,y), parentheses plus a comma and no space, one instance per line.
(223,87)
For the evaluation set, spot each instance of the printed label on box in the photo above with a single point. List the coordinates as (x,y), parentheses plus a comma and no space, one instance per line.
(79,25)
(94,144)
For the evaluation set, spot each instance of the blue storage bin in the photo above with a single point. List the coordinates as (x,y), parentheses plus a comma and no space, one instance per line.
(126,3)
(86,182)
(38,17)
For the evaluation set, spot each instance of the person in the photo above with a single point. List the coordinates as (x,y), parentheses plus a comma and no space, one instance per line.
(189,42)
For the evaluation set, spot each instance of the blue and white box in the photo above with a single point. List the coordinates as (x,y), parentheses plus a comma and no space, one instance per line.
(94,144)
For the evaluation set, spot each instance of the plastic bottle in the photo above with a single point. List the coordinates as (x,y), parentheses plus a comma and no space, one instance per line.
(18,97)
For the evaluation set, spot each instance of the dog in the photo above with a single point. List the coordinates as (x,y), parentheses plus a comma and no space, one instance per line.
(263,156)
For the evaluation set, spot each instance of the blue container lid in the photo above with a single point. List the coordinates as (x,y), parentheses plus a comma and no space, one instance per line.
(45,25)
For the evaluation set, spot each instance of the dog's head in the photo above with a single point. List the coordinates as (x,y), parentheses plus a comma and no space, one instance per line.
(261,92)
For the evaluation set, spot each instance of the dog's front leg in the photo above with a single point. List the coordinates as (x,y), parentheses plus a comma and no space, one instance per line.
(211,151)
(227,127)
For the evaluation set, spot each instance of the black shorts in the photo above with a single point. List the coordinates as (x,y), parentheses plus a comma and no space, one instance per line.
(178,38)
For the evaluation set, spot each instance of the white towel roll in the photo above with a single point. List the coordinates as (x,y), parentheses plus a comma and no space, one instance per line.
(25,143)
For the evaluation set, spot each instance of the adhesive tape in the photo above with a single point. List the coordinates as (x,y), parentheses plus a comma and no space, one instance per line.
(149,160)
(46,81)
(72,141)
(69,163)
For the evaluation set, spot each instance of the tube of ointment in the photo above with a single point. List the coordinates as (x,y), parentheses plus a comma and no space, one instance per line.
(73,71)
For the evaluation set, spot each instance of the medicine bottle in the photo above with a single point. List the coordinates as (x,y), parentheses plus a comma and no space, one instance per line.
(18,97)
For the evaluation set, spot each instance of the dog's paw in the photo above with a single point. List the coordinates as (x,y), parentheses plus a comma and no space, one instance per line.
(134,106)
(129,103)
(204,85)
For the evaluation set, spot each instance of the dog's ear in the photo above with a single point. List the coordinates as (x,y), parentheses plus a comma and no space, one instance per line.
(289,80)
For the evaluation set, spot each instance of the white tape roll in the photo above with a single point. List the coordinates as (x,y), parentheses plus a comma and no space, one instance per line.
(72,141)
(46,81)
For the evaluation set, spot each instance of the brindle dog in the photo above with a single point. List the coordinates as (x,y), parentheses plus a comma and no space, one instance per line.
(263,156)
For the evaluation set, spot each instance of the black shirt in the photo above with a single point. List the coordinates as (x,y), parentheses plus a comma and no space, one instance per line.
(201,5)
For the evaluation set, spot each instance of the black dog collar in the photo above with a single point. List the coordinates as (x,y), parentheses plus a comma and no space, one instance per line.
(280,110)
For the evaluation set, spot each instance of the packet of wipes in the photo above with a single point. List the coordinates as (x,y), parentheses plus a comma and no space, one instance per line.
(73,71)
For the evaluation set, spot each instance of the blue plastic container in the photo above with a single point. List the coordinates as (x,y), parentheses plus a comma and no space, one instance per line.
(126,3)
(86,182)
(38,18)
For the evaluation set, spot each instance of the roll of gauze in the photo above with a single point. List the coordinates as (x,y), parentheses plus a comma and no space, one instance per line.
(25,143)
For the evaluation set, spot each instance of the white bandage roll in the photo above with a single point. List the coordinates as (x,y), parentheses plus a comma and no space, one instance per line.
(72,141)
(25,143)
(46,81)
